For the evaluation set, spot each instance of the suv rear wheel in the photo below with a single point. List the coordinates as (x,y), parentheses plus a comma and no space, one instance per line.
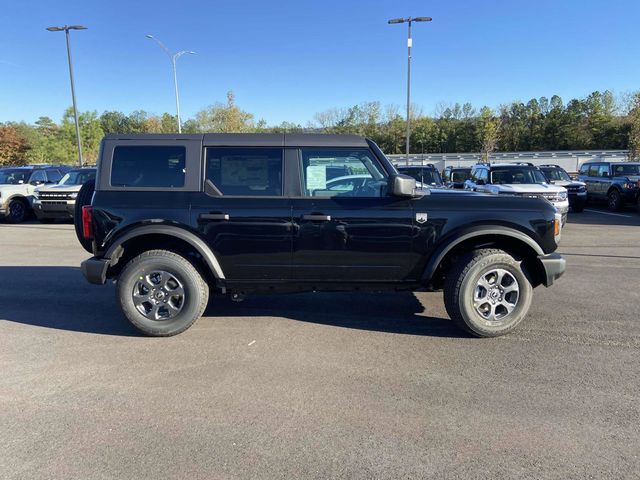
(486,293)
(161,293)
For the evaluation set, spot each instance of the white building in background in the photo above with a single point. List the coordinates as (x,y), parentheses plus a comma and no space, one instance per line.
(570,160)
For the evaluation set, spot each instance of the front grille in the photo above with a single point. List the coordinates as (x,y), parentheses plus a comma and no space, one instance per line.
(53,196)
(53,202)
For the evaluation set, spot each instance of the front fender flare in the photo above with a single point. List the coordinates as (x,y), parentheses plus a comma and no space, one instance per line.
(196,242)
(447,245)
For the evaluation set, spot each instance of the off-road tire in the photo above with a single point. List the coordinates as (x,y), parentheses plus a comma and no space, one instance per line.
(196,292)
(614,201)
(84,198)
(460,285)
(17,210)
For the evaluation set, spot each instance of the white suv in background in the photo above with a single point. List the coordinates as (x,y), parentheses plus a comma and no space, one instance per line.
(518,179)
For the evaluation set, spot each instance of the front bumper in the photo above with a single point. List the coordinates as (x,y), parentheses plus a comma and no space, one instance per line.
(554,266)
(577,199)
(57,210)
(94,270)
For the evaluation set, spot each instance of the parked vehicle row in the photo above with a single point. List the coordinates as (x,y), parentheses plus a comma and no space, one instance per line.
(47,191)
(617,183)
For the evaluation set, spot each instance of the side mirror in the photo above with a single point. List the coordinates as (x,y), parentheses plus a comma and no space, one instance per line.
(480,182)
(36,183)
(402,185)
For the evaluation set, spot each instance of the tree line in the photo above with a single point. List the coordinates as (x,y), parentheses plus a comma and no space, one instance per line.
(598,121)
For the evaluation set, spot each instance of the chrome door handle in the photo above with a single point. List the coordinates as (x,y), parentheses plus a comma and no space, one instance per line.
(214,216)
(317,218)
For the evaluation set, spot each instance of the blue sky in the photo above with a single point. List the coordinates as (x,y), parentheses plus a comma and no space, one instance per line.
(286,60)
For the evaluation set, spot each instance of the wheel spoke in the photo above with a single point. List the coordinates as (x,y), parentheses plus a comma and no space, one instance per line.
(158,295)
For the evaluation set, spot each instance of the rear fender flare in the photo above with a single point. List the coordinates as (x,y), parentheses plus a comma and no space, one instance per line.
(115,249)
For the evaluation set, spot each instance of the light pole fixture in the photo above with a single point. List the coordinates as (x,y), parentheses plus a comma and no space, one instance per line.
(66,29)
(173,57)
(409,21)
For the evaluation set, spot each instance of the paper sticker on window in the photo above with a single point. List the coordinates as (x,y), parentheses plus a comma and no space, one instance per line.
(316,177)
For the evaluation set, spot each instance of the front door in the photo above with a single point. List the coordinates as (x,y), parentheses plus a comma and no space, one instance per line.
(244,214)
(346,227)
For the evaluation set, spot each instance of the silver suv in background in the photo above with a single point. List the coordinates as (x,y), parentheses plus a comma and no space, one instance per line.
(517,179)
(53,202)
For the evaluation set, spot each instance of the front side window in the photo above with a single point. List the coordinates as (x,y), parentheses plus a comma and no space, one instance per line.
(148,166)
(342,173)
(53,175)
(603,170)
(9,176)
(446,174)
(245,171)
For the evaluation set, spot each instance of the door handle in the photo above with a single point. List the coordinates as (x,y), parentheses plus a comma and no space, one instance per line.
(317,217)
(214,216)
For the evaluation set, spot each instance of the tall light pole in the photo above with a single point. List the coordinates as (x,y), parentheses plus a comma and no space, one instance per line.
(173,57)
(409,21)
(66,29)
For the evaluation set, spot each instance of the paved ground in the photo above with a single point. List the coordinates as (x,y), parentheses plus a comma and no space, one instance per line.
(320,386)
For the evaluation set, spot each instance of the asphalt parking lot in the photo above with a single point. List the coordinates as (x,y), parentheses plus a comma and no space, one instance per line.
(321,385)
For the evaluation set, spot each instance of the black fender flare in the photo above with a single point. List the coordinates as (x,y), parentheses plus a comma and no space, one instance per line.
(447,245)
(115,249)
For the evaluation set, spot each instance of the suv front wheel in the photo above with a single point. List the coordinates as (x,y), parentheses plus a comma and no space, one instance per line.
(161,293)
(486,293)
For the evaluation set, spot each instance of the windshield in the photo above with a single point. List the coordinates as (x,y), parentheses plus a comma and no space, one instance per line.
(556,174)
(516,175)
(626,170)
(77,177)
(460,175)
(428,176)
(14,176)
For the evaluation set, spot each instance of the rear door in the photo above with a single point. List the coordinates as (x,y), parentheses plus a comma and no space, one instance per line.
(353,234)
(243,212)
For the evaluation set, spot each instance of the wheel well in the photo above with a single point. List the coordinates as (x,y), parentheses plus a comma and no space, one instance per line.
(153,241)
(612,188)
(518,249)
(19,198)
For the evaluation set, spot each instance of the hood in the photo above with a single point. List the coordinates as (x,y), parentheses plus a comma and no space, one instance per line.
(10,187)
(571,183)
(531,188)
(60,188)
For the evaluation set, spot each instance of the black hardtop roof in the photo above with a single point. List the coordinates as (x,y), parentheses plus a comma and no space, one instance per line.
(253,139)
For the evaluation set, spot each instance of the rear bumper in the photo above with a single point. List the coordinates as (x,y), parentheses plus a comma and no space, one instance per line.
(94,270)
(554,266)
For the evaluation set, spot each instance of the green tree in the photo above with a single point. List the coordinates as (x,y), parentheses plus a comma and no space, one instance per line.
(224,118)
(13,146)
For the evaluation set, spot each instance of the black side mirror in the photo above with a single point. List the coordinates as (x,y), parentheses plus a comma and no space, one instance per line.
(402,185)
(480,182)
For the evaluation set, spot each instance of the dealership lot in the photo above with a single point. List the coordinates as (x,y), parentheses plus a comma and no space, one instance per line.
(324,385)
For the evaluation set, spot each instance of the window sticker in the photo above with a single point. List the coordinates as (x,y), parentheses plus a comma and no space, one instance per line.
(316,177)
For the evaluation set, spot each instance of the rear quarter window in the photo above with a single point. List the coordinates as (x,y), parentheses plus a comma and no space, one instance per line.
(148,166)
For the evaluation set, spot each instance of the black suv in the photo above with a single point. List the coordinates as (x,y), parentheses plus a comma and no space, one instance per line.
(454,177)
(175,217)
(577,190)
(427,174)
(616,182)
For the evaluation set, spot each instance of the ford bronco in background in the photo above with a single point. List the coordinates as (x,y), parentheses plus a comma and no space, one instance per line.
(576,190)
(617,183)
(17,186)
(57,201)
(517,179)
(177,218)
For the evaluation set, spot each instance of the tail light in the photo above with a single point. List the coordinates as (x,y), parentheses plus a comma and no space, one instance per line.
(87,222)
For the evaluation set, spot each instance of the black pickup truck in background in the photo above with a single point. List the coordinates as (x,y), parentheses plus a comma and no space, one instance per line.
(617,183)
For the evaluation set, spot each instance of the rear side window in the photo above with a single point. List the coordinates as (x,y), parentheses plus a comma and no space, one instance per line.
(148,166)
(53,175)
(246,171)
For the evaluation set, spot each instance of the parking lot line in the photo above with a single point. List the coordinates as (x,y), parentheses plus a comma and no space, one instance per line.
(608,213)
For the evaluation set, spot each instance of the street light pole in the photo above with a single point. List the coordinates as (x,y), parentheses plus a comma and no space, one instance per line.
(173,57)
(66,29)
(409,21)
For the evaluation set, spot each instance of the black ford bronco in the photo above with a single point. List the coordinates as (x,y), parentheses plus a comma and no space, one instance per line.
(175,218)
